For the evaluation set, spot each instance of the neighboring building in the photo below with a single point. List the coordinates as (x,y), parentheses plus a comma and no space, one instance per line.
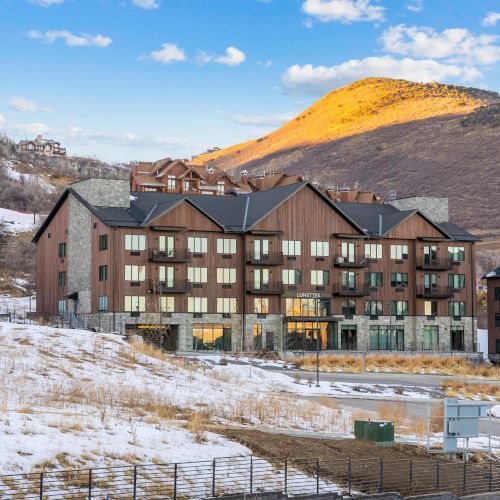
(493,281)
(248,271)
(48,147)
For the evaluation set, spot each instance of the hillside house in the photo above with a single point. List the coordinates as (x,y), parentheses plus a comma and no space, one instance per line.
(47,147)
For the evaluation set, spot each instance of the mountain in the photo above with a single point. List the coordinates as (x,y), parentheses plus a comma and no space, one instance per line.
(385,134)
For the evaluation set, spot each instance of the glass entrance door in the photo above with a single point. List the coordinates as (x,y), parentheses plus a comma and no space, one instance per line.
(349,337)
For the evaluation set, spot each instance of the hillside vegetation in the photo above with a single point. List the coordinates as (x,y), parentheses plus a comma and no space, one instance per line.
(427,139)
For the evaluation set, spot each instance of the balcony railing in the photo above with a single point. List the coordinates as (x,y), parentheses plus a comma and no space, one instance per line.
(351,291)
(177,255)
(273,288)
(177,286)
(270,259)
(443,264)
(340,261)
(435,292)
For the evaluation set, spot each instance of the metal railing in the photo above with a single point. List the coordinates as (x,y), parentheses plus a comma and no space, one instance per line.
(435,292)
(437,264)
(357,290)
(251,475)
(177,255)
(268,259)
(271,288)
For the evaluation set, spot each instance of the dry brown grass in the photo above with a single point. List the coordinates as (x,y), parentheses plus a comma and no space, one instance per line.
(437,418)
(485,392)
(197,424)
(329,362)
(393,411)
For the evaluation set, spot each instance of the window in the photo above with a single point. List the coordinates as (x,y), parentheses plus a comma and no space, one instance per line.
(373,251)
(457,338)
(431,337)
(260,248)
(257,336)
(307,307)
(348,280)
(349,252)
(292,277)
(166,274)
(497,293)
(103,242)
(211,337)
(291,247)
(261,278)
(399,279)
(171,182)
(430,280)
(135,303)
(167,304)
(374,279)
(261,305)
(167,244)
(226,276)
(103,273)
(186,185)
(349,307)
(430,308)
(226,246)
(220,187)
(197,305)
(399,308)
(456,254)
(456,280)
(135,242)
(226,305)
(399,252)
(62,250)
(320,278)
(497,320)
(197,245)
(197,274)
(135,273)
(103,303)
(383,337)
(320,249)
(374,308)
(62,279)
(62,306)
(456,308)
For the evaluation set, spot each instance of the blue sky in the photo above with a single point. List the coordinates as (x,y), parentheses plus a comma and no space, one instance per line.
(146,79)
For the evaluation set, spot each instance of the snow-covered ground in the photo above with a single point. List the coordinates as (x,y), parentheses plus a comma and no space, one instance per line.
(18,305)
(10,169)
(18,222)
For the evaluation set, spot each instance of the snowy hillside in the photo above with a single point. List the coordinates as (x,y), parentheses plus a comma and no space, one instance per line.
(17,222)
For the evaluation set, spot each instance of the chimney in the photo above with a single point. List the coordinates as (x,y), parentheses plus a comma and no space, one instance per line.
(380,224)
(104,192)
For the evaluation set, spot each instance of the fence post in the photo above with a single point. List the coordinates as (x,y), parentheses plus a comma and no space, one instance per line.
(41,485)
(135,482)
(175,481)
(251,474)
(90,484)
(349,475)
(213,479)
(437,475)
(286,475)
(381,475)
(317,476)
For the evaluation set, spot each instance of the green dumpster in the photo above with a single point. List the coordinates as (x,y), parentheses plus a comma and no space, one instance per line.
(378,431)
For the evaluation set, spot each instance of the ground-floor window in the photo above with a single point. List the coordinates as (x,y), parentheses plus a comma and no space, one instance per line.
(211,337)
(257,337)
(349,337)
(387,337)
(457,338)
(307,307)
(63,306)
(431,337)
(301,335)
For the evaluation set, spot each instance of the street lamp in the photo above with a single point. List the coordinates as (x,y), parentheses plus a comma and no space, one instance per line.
(316,302)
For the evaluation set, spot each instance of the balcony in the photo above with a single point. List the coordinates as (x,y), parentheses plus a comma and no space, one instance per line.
(351,291)
(435,292)
(344,262)
(270,259)
(275,288)
(165,287)
(170,256)
(434,264)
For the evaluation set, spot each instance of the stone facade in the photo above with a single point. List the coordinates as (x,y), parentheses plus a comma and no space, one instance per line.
(104,192)
(434,208)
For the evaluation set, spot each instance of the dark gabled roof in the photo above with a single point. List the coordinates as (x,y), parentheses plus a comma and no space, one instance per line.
(457,233)
(495,273)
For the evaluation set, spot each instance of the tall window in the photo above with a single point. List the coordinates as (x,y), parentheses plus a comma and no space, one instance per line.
(226,305)
(62,279)
(103,242)
(135,242)
(226,276)
(220,187)
(167,244)
(167,304)
(197,274)
(456,308)
(349,307)
(374,279)
(103,273)
(320,249)
(62,306)
(62,250)
(431,337)
(349,252)
(166,274)
(171,182)
(430,308)
(135,303)
(260,249)
(383,337)
(186,185)
(320,277)
(497,320)
(291,247)
(197,245)
(456,254)
(226,245)
(292,277)
(373,251)
(374,308)
(348,280)
(307,307)
(103,303)
(399,252)
(497,293)
(456,280)
(261,305)
(135,273)
(197,304)
(261,278)
(399,308)
(399,280)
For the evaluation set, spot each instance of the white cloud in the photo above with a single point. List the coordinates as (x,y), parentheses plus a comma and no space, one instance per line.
(71,40)
(265,64)
(457,45)
(26,105)
(491,18)
(345,11)
(168,53)
(46,3)
(233,57)
(146,4)
(263,120)
(415,5)
(320,79)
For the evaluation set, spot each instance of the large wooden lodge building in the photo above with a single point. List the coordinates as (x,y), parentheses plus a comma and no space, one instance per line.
(261,270)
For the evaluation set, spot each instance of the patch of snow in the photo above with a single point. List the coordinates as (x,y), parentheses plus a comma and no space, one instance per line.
(9,168)
(18,222)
